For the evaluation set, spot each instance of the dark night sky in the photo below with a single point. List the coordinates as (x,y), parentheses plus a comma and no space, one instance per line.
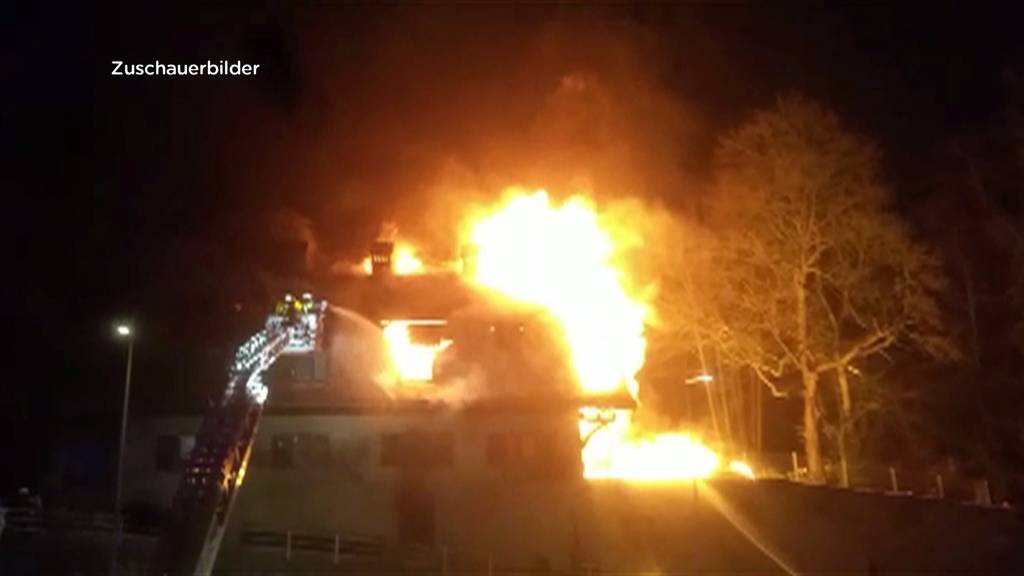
(169,199)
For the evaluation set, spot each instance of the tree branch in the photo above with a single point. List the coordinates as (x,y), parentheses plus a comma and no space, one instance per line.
(872,344)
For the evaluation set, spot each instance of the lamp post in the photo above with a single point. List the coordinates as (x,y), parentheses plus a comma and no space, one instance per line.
(703,378)
(125,332)
(706,379)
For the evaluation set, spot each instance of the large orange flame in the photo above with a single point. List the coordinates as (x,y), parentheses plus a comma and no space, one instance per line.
(563,258)
(559,258)
(404,261)
(613,449)
(413,361)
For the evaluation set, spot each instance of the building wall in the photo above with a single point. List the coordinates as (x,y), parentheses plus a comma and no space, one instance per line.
(151,472)
(500,506)
(419,481)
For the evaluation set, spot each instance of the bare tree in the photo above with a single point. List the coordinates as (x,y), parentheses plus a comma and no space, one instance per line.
(815,269)
(683,329)
(686,339)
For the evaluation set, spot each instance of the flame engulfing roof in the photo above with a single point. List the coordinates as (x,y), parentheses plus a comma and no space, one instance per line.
(562,324)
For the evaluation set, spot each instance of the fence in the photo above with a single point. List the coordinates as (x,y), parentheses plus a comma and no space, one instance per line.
(37,521)
(944,480)
(338,545)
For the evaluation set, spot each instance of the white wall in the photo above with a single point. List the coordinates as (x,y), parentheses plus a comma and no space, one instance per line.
(515,515)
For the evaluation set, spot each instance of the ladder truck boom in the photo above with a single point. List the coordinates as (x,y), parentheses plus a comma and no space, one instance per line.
(215,468)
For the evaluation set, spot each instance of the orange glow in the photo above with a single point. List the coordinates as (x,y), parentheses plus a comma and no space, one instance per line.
(404,260)
(741,468)
(562,258)
(614,450)
(414,362)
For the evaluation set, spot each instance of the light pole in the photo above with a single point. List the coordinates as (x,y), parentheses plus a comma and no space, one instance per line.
(124,331)
(706,379)
(703,378)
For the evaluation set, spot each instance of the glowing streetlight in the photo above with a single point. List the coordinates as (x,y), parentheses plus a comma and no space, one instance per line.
(700,379)
(706,379)
(124,332)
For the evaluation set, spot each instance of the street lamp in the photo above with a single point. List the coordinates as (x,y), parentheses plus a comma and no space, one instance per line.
(703,378)
(124,332)
(706,379)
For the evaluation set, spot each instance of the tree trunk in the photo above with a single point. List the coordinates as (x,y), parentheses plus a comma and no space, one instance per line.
(844,423)
(707,392)
(812,448)
(720,384)
(810,380)
(972,313)
(759,414)
(844,465)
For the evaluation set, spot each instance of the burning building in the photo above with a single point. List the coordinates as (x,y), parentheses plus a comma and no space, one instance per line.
(469,416)
(422,394)
(408,432)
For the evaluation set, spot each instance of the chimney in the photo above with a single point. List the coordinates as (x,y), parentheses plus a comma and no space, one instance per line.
(380,257)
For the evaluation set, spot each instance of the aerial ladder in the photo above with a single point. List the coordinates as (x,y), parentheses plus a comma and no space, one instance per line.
(214,470)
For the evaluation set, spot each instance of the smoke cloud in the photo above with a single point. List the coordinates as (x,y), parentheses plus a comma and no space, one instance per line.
(417,118)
